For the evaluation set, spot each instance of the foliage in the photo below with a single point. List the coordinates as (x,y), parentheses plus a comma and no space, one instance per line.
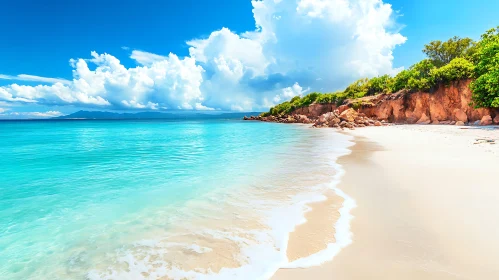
(486,86)
(336,98)
(417,78)
(379,85)
(458,69)
(357,89)
(442,53)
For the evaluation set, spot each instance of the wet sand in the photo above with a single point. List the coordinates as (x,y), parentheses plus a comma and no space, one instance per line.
(314,235)
(427,206)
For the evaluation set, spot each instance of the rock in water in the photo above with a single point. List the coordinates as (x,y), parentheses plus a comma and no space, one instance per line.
(460,123)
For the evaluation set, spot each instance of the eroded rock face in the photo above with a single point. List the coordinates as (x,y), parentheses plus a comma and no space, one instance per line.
(424,119)
(314,110)
(449,104)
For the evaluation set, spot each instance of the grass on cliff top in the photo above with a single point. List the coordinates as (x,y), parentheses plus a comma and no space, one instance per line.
(453,60)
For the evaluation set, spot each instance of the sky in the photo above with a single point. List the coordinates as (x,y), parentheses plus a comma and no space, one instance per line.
(57,57)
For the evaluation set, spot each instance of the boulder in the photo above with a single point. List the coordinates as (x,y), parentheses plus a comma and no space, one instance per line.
(378,123)
(435,122)
(486,120)
(459,123)
(424,119)
(460,115)
(496,119)
(302,119)
(348,115)
(342,108)
(476,123)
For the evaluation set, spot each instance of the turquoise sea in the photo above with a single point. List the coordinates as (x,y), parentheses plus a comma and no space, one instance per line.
(129,199)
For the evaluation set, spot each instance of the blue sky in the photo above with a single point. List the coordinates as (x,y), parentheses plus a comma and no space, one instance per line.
(300,46)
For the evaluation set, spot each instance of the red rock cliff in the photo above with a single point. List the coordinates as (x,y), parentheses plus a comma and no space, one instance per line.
(448,103)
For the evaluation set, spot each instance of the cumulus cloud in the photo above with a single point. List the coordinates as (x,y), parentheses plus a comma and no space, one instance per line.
(296,47)
(146,58)
(290,92)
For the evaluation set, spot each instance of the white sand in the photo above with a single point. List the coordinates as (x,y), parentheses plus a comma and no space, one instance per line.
(428,206)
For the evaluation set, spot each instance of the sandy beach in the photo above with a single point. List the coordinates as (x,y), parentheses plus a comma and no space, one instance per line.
(427,206)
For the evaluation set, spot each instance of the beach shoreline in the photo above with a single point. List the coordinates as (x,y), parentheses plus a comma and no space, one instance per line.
(416,212)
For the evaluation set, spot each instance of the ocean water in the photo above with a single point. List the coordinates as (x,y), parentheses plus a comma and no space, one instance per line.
(213,199)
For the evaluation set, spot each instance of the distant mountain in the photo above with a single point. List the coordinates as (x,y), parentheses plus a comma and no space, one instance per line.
(101,115)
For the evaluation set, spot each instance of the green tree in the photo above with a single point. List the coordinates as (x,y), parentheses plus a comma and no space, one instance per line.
(441,53)
(486,86)
(458,69)
(379,84)
(417,78)
(357,89)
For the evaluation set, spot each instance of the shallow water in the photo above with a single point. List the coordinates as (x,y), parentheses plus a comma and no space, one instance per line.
(149,199)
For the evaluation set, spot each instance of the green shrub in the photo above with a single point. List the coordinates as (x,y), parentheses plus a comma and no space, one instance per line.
(357,89)
(458,69)
(417,78)
(400,81)
(486,86)
(379,84)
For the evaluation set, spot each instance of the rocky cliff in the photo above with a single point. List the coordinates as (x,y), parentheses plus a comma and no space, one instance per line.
(448,104)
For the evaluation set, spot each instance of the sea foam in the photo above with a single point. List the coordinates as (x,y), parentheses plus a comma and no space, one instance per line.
(262,251)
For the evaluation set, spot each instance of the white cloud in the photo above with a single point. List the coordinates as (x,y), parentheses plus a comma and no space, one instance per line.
(47,114)
(32,78)
(146,58)
(297,46)
(290,92)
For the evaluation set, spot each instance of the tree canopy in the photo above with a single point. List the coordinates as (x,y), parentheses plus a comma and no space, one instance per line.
(486,86)
(442,53)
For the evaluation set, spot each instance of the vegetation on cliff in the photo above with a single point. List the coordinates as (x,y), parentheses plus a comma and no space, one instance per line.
(453,60)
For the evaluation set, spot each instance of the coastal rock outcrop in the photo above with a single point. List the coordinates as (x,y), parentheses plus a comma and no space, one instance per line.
(447,104)
(347,119)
